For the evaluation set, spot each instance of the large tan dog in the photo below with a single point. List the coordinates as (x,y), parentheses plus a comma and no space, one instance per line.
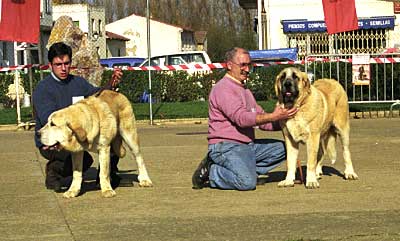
(323,115)
(95,124)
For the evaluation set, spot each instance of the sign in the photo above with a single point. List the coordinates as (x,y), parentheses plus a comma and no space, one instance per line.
(396,7)
(303,25)
(361,69)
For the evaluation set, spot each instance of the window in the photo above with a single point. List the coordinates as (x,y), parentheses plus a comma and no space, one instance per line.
(93,25)
(174,60)
(99,27)
(4,50)
(47,7)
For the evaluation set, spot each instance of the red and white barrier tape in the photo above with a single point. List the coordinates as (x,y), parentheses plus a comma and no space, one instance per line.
(213,65)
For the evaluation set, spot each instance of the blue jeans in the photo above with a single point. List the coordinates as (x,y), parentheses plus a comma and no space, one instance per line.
(237,166)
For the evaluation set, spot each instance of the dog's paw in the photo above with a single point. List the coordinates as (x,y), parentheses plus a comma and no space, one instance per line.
(108,193)
(286,183)
(71,193)
(312,184)
(350,176)
(145,183)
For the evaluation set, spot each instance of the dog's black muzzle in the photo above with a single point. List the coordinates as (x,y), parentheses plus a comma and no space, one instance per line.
(289,92)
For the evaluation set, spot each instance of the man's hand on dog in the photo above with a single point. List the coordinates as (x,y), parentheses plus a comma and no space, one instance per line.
(283,113)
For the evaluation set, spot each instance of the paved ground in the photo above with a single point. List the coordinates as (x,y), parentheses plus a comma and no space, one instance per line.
(367,209)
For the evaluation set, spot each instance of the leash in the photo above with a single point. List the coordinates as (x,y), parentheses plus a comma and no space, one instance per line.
(301,181)
(111,85)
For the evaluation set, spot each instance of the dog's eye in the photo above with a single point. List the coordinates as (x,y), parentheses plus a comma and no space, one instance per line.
(51,124)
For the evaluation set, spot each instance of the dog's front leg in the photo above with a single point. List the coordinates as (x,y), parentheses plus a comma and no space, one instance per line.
(104,161)
(75,188)
(312,151)
(292,149)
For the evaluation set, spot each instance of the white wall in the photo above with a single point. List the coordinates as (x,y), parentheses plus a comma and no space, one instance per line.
(164,38)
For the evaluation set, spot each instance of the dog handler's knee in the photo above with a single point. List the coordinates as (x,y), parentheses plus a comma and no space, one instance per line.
(246,183)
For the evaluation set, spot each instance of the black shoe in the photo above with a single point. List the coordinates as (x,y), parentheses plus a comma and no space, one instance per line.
(53,176)
(200,176)
(57,186)
(115,180)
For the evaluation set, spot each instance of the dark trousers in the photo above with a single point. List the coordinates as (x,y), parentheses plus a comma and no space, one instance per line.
(60,162)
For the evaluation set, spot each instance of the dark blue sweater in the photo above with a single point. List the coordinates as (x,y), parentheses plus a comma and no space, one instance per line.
(51,95)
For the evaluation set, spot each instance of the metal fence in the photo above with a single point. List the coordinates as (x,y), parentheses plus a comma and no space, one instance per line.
(382,76)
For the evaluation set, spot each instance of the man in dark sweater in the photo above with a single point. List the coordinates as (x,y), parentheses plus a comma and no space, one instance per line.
(59,90)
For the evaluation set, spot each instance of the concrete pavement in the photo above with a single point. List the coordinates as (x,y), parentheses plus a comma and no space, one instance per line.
(367,209)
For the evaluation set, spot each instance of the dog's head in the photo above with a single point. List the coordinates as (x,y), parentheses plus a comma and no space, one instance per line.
(60,130)
(290,84)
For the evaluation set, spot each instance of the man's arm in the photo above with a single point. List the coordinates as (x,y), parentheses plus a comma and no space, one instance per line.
(44,104)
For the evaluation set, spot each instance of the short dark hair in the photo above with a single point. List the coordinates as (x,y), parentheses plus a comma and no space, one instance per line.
(231,53)
(59,49)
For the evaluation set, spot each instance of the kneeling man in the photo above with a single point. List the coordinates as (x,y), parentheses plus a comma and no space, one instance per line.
(235,158)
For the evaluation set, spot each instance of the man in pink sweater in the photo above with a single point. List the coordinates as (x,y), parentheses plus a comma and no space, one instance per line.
(235,158)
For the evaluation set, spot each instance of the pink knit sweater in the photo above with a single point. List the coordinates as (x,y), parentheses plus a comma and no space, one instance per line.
(232,113)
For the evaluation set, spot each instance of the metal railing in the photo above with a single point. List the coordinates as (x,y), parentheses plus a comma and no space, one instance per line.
(383,85)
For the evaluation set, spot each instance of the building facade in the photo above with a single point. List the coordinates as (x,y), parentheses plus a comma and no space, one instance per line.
(90,19)
(124,37)
(300,24)
(164,38)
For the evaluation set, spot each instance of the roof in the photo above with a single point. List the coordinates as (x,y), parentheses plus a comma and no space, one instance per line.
(155,20)
(112,35)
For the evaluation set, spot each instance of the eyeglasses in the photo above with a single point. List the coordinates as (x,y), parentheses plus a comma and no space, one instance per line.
(244,65)
(65,64)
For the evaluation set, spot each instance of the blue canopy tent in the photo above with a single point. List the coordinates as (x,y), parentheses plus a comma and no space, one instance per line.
(272,55)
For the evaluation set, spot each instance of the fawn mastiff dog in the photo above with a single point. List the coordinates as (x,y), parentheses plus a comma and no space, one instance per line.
(323,115)
(97,123)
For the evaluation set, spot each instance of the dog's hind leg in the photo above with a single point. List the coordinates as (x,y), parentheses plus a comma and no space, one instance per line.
(344,134)
(327,150)
(127,130)
(77,163)
(331,145)
(132,140)
(342,125)
(117,146)
(104,161)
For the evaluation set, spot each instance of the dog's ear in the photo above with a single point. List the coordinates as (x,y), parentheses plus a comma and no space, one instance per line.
(306,82)
(278,85)
(80,133)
